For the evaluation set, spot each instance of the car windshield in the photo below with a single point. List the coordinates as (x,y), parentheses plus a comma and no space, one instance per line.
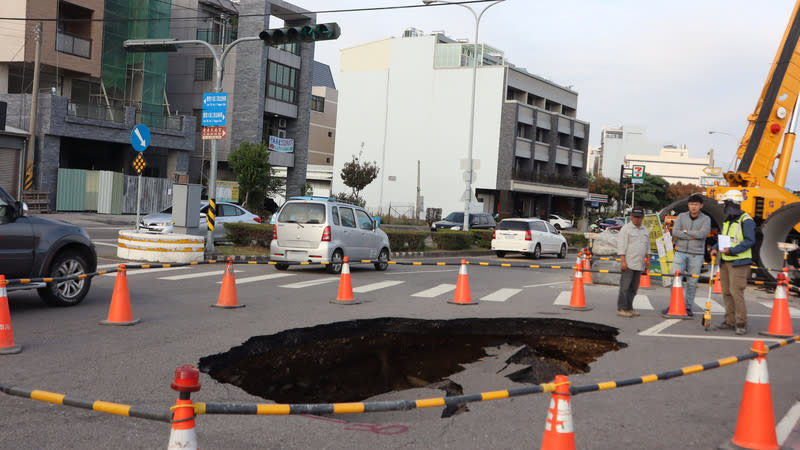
(302,213)
(455,217)
(512,225)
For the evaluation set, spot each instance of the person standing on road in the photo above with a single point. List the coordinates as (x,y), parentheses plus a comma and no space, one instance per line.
(690,230)
(735,244)
(633,248)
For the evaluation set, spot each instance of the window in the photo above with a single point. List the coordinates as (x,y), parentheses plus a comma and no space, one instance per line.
(282,83)
(335,215)
(203,68)
(551,228)
(614,134)
(539,226)
(229,210)
(364,221)
(318,103)
(348,218)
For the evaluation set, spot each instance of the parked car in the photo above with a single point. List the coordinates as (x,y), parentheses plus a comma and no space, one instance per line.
(226,213)
(559,222)
(37,247)
(531,237)
(325,231)
(614,224)
(455,221)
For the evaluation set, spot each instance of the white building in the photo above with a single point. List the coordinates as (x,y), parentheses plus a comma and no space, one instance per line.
(618,141)
(674,165)
(404,100)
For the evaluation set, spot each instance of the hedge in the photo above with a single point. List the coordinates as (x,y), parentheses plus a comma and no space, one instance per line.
(576,240)
(249,233)
(411,241)
(453,240)
(482,238)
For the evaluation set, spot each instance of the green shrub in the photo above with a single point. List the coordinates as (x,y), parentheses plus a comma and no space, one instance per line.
(453,240)
(246,233)
(482,238)
(576,240)
(406,241)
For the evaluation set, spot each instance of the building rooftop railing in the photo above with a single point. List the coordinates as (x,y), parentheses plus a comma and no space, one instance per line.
(520,175)
(73,44)
(96,112)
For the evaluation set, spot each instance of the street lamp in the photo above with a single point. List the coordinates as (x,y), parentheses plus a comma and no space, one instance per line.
(172,45)
(472,100)
(732,136)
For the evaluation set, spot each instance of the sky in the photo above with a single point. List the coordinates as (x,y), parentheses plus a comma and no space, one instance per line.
(678,68)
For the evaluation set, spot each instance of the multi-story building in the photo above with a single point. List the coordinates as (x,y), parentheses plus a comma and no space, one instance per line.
(674,165)
(406,101)
(618,141)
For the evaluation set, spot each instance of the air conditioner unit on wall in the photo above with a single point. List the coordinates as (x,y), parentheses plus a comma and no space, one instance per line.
(281,134)
(282,123)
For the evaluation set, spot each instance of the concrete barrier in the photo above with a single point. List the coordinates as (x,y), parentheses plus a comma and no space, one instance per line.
(168,248)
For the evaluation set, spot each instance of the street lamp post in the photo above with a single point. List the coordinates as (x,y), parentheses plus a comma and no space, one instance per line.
(472,100)
(732,136)
(172,45)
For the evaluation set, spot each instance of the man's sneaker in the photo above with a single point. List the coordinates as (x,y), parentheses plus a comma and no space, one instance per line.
(623,313)
(690,312)
(634,313)
(665,310)
(741,329)
(725,326)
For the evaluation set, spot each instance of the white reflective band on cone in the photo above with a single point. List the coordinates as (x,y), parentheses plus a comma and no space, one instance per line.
(757,372)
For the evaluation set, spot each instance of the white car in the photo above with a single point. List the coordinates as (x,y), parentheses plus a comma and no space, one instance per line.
(531,237)
(559,222)
(226,212)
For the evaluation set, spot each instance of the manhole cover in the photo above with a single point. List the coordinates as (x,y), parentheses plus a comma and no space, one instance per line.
(355,360)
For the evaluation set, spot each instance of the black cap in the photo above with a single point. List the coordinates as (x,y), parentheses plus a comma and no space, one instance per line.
(695,198)
(637,211)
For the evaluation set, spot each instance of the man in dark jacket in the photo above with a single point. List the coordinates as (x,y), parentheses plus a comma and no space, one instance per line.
(689,230)
(735,246)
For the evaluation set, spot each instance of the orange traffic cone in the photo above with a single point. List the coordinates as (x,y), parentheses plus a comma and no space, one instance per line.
(577,301)
(462,296)
(587,267)
(227,293)
(717,284)
(780,322)
(7,346)
(183,434)
(677,305)
(755,426)
(558,430)
(644,281)
(119,313)
(345,295)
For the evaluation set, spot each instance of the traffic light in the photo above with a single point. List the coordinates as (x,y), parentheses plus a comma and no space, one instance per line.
(304,33)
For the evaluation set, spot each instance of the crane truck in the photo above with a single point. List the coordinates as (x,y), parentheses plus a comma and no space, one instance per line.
(763,156)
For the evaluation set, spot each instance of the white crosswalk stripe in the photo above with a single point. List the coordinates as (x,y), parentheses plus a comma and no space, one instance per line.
(303,284)
(642,302)
(375,286)
(716,308)
(435,291)
(500,295)
(260,278)
(145,271)
(197,275)
(793,312)
(563,298)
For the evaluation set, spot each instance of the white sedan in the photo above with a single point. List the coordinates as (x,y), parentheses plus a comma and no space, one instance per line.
(531,237)
(226,212)
(559,222)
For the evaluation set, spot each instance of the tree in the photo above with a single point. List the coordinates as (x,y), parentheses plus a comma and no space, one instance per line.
(603,185)
(357,174)
(678,191)
(652,194)
(254,173)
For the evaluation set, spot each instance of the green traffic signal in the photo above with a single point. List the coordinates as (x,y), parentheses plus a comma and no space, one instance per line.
(304,33)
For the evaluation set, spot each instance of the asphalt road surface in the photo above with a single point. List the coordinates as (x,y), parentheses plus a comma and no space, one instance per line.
(66,351)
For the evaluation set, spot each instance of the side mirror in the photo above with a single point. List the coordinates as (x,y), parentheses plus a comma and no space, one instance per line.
(20,209)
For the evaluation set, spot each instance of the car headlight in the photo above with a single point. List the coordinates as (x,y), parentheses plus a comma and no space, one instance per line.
(457,228)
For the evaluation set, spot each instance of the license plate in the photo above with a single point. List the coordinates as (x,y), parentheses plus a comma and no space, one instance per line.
(296,255)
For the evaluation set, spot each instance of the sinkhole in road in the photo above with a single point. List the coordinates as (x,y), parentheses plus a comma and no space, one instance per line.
(355,360)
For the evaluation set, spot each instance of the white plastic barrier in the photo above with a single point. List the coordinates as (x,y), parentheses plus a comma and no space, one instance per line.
(165,248)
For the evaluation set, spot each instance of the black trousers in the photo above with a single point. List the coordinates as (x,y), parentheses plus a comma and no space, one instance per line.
(628,286)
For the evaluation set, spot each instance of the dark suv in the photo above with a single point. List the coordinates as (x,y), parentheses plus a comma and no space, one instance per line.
(36,247)
(455,221)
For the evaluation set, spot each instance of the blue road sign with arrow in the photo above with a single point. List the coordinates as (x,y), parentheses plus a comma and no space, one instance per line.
(140,137)
(215,108)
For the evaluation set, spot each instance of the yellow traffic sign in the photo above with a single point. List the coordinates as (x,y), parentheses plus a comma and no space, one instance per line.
(139,163)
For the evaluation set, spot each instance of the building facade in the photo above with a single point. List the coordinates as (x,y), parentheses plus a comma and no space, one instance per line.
(674,165)
(618,141)
(405,103)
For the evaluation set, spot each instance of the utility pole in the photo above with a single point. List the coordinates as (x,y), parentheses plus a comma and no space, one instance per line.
(620,206)
(37,37)
(416,214)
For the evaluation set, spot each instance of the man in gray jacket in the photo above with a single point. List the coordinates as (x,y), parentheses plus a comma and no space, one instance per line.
(633,249)
(689,231)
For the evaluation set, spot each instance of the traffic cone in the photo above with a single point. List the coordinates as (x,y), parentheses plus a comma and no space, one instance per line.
(183,435)
(558,430)
(755,426)
(644,281)
(345,295)
(780,322)
(587,267)
(462,296)
(7,346)
(717,284)
(119,313)
(227,293)
(577,301)
(677,305)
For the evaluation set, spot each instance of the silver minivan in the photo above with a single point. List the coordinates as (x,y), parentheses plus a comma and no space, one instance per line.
(325,231)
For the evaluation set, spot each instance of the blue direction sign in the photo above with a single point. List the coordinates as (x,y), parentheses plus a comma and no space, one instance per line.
(215,107)
(140,137)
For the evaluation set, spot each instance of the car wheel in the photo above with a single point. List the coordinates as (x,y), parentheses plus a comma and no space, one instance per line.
(282,266)
(557,226)
(537,252)
(383,258)
(563,251)
(335,265)
(70,292)
(500,254)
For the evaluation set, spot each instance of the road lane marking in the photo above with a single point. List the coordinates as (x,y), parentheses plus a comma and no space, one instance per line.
(642,302)
(547,284)
(394,272)
(141,271)
(787,423)
(104,243)
(563,298)
(655,329)
(260,278)
(196,275)
(716,308)
(793,312)
(500,295)
(435,291)
(302,284)
(375,286)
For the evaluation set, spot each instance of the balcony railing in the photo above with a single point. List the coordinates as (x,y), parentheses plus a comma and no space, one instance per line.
(96,112)
(73,44)
(558,180)
(154,120)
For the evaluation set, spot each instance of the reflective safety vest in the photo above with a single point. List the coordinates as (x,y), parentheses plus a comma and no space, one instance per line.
(734,230)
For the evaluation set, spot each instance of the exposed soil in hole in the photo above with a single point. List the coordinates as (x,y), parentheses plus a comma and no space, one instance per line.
(355,360)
